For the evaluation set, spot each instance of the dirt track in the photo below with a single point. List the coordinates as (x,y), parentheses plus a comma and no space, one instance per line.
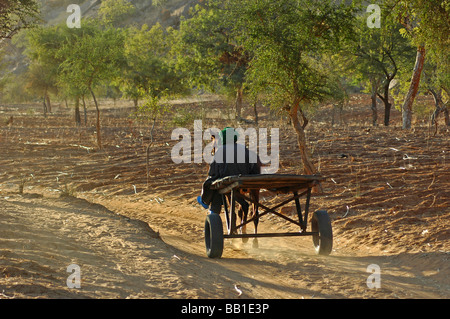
(131,241)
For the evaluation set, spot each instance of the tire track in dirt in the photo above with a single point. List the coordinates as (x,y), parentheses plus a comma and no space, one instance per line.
(118,257)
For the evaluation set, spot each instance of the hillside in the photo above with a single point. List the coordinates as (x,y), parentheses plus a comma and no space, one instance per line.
(167,14)
(55,12)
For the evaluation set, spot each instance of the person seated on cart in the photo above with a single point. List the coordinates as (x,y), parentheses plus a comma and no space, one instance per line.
(231,158)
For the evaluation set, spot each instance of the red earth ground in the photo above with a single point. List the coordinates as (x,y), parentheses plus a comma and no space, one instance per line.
(65,202)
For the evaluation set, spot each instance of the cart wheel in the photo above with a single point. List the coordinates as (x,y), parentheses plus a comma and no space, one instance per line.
(323,241)
(213,236)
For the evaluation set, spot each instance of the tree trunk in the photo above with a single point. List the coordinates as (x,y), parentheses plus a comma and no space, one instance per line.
(45,107)
(84,110)
(255,111)
(308,167)
(238,103)
(387,113)
(99,136)
(148,151)
(333,115)
(447,117)
(77,112)
(49,106)
(439,107)
(387,104)
(413,88)
(374,103)
(135,101)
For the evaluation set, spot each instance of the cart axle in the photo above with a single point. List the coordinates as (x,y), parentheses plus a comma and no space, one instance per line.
(270,235)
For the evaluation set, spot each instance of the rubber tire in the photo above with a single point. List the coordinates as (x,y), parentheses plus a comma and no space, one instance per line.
(213,236)
(323,241)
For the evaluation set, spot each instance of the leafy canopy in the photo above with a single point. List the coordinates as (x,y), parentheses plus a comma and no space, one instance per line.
(91,57)
(207,50)
(287,39)
(16,15)
(114,12)
(148,69)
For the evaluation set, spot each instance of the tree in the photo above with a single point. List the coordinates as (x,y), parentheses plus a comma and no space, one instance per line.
(208,53)
(3,79)
(287,39)
(427,24)
(148,72)
(379,54)
(43,48)
(16,15)
(42,45)
(40,81)
(94,56)
(338,82)
(437,83)
(413,88)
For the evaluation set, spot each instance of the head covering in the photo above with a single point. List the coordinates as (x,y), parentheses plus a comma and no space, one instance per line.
(228,132)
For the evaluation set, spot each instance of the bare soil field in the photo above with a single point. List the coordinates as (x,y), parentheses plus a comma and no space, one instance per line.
(63,202)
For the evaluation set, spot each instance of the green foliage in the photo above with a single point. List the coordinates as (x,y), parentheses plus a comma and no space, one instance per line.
(207,50)
(338,82)
(16,15)
(159,3)
(151,109)
(148,72)
(287,40)
(90,56)
(285,50)
(3,78)
(42,47)
(378,54)
(184,118)
(115,12)
(427,23)
(14,90)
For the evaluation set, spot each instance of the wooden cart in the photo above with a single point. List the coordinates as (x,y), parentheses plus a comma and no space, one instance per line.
(247,187)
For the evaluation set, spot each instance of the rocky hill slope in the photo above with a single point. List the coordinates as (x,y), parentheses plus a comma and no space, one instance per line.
(167,13)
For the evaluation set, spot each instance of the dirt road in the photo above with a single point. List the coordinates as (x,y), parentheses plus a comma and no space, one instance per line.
(120,256)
